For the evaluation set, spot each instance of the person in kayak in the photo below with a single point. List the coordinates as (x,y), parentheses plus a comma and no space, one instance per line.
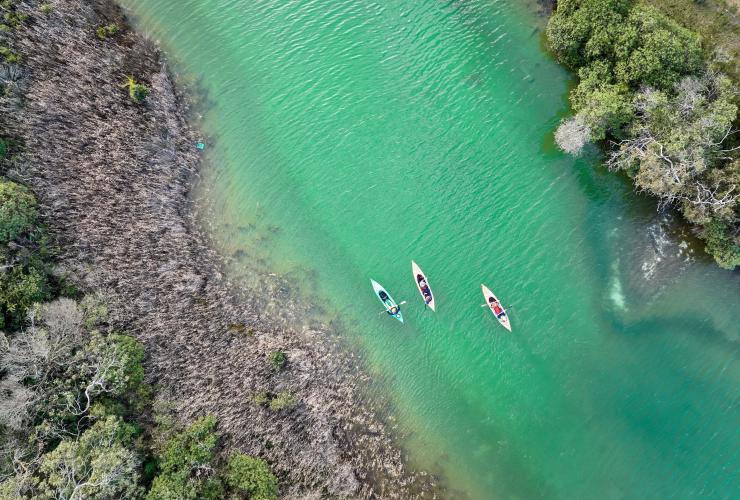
(392,309)
(496,306)
(425,291)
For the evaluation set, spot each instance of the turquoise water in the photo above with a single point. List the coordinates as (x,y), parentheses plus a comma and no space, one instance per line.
(350,137)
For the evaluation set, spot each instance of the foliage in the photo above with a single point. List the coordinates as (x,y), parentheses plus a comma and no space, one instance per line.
(716,22)
(277,359)
(675,140)
(46,8)
(724,246)
(262,398)
(136,91)
(639,44)
(8,55)
(104,32)
(100,464)
(18,211)
(644,85)
(251,476)
(186,464)
(69,390)
(282,401)
(94,310)
(19,290)
(24,273)
(11,16)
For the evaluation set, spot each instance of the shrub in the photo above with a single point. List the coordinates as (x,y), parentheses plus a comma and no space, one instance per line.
(251,476)
(104,32)
(94,310)
(46,8)
(277,359)
(721,244)
(19,290)
(186,464)
(18,212)
(8,54)
(262,398)
(136,91)
(282,401)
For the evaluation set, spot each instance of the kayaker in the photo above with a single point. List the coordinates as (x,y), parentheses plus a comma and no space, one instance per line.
(496,306)
(393,310)
(424,288)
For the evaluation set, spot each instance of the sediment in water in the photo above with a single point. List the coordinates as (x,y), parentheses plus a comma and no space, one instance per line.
(113,179)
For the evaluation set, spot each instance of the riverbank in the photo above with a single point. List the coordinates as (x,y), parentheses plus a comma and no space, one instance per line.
(113,178)
(661,100)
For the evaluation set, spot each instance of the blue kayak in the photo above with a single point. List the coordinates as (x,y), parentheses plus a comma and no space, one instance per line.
(387,301)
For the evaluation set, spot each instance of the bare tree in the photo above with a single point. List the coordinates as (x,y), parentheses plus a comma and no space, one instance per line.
(572,136)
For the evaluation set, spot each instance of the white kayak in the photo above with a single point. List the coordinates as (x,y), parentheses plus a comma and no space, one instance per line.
(491,302)
(426,292)
(387,300)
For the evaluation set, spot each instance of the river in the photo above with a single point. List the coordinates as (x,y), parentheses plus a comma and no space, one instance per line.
(349,137)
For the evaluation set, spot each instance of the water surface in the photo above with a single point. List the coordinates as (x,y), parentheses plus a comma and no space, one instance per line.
(353,136)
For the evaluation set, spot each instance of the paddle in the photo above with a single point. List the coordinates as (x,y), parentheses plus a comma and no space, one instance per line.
(509,307)
(400,304)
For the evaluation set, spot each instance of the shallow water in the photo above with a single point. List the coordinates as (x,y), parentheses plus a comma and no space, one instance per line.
(350,137)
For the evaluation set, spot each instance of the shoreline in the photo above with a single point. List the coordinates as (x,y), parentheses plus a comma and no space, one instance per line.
(114,181)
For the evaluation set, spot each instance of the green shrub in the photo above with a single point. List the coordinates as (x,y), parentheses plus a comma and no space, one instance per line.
(130,354)
(262,398)
(94,310)
(104,32)
(46,8)
(8,54)
(186,464)
(639,44)
(12,17)
(721,244)
(251,476)
(136,91)
(282,401)
(18,212)
(19,290)
(277,359)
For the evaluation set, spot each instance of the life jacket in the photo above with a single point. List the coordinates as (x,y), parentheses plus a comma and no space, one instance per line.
(497,310)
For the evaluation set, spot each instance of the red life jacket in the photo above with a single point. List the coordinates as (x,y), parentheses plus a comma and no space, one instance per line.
(497,309)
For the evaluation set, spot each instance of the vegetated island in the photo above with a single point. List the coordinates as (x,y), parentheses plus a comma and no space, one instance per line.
(657,87)
(128,366)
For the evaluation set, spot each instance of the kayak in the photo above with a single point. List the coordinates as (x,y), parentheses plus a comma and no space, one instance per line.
(418,276)
(388,302)
(502,318)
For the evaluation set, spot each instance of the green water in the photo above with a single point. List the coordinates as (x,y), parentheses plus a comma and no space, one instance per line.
(349,137)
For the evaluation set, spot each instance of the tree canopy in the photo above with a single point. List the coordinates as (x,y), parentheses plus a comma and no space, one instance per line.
(666,114)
